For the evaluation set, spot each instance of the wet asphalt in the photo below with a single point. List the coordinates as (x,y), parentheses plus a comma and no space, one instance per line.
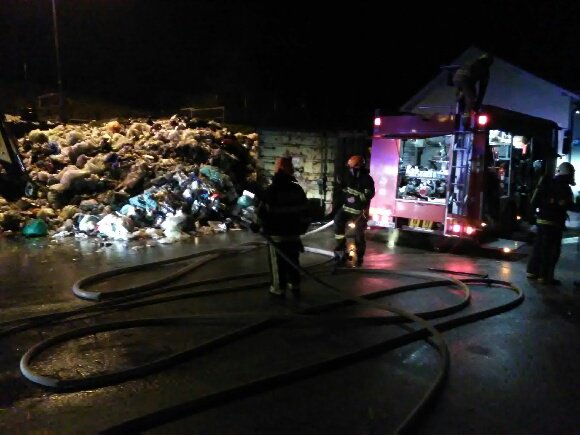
(516,372)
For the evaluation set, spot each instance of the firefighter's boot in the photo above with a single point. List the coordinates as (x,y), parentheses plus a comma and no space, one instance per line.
(277,292)
(340,257)
(295,289)
(340,254)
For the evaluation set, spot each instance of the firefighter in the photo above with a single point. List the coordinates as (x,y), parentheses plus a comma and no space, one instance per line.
(471,81)
(283,215)
(355,193)
(552,198)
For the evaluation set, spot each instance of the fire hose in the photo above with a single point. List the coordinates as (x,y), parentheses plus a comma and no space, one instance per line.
(132,297)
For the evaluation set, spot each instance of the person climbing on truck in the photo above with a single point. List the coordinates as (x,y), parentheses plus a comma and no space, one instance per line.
(471,81)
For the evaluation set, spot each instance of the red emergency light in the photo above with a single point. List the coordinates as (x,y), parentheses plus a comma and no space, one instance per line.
(482,120)
(469,230)
(377,122)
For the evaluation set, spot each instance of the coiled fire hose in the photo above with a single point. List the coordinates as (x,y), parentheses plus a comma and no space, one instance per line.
(129,298)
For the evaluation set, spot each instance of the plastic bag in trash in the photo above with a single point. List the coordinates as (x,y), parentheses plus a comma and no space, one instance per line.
(173,222)
(144,201)
(172,228)
(88,223)
(35,228)
(128,210)
(53,147)
(202,195)
(115,227)
(69,174)
(245,201)
(218,227)
(212,173)
(249,214)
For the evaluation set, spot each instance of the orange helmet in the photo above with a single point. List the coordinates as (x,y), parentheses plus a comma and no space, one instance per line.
(284,164)
(355,162)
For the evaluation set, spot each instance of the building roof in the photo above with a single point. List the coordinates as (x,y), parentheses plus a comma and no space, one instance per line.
(470,54)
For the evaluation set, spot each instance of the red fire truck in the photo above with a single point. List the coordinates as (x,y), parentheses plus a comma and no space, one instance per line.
(435,177)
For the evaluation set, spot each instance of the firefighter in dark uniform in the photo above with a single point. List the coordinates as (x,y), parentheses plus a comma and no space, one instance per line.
(552,198)
(471,82)
(355,193)
(283,215)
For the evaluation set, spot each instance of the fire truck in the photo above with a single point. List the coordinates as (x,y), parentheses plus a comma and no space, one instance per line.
(13,176)
(15,181)
(472,182)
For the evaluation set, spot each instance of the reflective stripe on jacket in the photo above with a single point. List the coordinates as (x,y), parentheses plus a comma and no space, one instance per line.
(552,198)
(356,192)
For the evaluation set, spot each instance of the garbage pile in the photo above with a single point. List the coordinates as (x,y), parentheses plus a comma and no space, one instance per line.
(165,179)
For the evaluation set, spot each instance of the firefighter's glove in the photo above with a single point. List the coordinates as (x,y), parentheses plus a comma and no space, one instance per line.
(332,213)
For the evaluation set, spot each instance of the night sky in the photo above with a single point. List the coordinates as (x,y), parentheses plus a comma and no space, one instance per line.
(297,63)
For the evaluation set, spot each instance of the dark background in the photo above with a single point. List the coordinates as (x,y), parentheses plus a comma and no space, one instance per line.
(309,64)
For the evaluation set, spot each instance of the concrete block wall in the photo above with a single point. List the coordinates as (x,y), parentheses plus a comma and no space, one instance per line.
(313,155)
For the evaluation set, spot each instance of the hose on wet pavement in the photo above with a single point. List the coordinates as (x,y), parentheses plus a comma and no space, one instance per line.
(129,297)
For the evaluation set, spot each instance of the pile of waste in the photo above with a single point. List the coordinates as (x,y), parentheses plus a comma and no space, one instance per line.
(165,179)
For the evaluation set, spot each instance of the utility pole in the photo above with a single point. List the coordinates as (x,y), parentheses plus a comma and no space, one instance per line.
(58,70)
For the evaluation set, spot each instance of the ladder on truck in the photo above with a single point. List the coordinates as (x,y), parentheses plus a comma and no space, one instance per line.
(458,179)
(459,169)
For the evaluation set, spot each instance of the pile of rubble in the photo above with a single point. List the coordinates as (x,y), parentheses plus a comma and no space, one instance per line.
(164,179)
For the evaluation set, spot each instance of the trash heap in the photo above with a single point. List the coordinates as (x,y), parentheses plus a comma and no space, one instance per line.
(164,179)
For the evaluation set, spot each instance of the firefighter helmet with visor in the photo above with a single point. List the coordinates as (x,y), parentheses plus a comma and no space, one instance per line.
(284,164)
(565,169)
(355,162)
